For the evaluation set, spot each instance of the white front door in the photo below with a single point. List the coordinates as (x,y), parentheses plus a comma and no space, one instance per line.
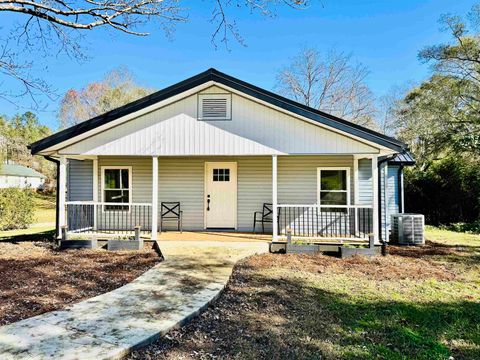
(221,195)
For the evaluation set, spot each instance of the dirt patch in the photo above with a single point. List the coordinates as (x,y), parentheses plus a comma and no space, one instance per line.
(378,268)
(36,278)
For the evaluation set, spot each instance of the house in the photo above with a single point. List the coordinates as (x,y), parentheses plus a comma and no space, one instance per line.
(222,148)
(19,176)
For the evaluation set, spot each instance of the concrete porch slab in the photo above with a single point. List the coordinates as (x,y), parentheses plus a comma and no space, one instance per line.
(222,236)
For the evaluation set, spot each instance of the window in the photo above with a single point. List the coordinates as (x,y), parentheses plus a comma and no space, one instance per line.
(214,107)
(116,187)
(221,174)
(334,186)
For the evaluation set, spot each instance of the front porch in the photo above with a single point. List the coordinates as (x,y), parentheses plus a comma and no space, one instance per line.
(317,198)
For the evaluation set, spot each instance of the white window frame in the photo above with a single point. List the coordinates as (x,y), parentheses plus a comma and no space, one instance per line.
(227,96)
(130,185)
(319,183)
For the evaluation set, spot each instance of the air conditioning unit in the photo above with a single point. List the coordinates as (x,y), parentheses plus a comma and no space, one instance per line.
(408,229)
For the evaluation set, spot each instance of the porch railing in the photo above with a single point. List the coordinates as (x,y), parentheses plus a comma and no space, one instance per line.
(339,222)
(104,217)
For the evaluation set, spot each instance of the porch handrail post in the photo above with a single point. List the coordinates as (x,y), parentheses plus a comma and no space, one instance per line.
(154,197)
(62,192)
(375,198)
(274,199)
(95,192)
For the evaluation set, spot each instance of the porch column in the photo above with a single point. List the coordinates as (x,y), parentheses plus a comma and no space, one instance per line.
(62,190)
(375,198)
(95,192)
(355,193)
(274,199)
(154,197)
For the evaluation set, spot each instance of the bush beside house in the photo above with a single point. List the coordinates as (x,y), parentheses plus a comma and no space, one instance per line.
(16,209)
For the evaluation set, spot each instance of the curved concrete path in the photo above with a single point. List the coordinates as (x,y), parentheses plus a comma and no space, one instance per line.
(110,325)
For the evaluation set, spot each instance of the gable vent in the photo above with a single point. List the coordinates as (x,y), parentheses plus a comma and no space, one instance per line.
(214,107)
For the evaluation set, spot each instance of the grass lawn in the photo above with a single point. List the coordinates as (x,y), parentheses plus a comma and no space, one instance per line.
(36,278)
(452,238)
(44,207)
(416,303)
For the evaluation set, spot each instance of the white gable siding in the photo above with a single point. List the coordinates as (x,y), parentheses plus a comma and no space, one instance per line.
(255,129)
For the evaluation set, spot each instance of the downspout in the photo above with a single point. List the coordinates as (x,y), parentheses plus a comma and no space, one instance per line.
(57,213)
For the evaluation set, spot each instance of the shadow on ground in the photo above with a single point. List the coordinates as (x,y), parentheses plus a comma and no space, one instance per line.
(47,236)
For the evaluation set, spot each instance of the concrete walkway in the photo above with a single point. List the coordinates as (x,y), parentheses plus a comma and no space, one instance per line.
(110,325)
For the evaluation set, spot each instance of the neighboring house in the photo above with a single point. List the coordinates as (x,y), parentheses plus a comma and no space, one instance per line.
(223,147)
(19,176)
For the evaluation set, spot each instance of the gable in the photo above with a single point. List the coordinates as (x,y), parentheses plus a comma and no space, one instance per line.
(50,144)
(254,129)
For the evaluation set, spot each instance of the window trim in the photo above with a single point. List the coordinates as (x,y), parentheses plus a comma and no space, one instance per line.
(227,96)
(319,183)
(130,184)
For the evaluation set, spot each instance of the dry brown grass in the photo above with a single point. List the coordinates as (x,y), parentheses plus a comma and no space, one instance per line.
(36,278)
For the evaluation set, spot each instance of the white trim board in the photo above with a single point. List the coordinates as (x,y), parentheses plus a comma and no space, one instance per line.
(347,169)
(130,182)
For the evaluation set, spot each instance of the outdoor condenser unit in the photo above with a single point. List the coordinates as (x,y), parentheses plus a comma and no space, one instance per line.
(407,229)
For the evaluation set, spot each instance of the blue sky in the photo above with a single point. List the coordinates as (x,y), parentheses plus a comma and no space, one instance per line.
(383,35)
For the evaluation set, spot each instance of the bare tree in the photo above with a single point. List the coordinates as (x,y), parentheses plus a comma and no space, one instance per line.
(117,88)
(389,107)
(330,83)
(56,26)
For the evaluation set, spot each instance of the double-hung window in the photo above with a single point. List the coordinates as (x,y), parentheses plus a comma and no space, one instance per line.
(333,186)
(116,187)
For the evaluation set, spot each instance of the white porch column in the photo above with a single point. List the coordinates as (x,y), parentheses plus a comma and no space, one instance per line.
(95,192)
(375,198)
(274,199)
(62,192)
(154,197)
(355,193)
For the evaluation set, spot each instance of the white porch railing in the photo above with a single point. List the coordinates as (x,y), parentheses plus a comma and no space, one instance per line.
(104,217)
(336,222)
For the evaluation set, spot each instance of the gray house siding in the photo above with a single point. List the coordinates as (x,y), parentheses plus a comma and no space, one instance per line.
(298,184)
(364,182)
(182,179)
(390,197)
(80,180)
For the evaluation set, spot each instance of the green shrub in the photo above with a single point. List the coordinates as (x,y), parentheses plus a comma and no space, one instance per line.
(446,192)
(471,228)
(16,208)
